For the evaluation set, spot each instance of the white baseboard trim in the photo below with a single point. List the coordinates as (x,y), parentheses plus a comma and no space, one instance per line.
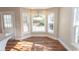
(22,37)
(64,45)
(38,35)
(52,37)
(31,35)
(25,37)
(44,36)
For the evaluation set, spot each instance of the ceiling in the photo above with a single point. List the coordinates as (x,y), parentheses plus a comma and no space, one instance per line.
(39,7)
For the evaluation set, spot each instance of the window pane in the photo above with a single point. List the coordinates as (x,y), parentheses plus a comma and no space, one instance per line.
(8,25)
(76,25)
(77,34)
(7,21)
(51,23)
(38,23)
(25,23)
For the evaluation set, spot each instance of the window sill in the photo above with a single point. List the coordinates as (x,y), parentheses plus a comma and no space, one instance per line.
(26,33)
(51,32)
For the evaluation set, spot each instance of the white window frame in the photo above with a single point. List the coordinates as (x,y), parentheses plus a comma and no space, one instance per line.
(76,24)
(24,15)
(44,24)
(51,16)
(75,42)
(10,13)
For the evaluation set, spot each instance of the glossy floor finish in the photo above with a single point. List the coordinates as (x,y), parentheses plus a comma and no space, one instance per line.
(35,44)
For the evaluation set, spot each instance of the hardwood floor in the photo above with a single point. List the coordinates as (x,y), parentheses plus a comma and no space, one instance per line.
(35,44)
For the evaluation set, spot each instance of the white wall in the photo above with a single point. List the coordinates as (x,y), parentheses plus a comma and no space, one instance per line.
(23,34)
(65,27)
(16,20)
(56,22)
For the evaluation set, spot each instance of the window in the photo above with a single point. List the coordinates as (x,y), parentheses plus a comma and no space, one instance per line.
(76,25)
(25,23)
(7,23)
(38,23)
(51,23)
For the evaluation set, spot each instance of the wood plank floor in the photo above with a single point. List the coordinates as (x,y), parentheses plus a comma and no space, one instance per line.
(35,44)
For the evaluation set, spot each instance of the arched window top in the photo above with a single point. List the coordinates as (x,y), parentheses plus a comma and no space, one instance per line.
(38,23)
(38,17)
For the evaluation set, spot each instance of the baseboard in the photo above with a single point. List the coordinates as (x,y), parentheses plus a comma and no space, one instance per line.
(52,37)
(64,45)
(28,36)
(22,37)
(25,37)
(44,36)
(38,35)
